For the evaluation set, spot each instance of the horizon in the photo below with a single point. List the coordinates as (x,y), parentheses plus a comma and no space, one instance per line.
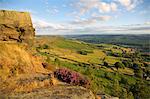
(83,17)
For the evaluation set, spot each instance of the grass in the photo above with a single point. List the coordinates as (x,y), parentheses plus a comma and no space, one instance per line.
(99,81)
(112,60)
(70,44)
(15,59)
(102,78)
(62,53)
(12,56)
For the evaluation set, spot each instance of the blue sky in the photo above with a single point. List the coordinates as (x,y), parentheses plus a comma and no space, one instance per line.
(85,16)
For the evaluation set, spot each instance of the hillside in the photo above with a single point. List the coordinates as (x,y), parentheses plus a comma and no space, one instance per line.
(22,75)
(67,68)
(98,62)
(23,65)
(24,71)
(141,42)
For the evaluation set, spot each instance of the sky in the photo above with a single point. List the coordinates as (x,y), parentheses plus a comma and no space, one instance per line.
(69,17)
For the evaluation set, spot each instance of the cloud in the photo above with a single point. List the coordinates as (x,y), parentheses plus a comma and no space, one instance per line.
(104,7)
(44,27)
(147,23)
(129,29)
(87,5)
(91,20)
(51,10)
(41,24)
(113,6)
(130,4)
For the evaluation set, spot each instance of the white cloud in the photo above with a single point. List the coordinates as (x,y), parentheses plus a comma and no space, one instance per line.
(147,23)
(91,20)
(113,6)
(125,2)
(78,27)
(124,29)
(41,24)
(87,5)
(130,4)
(52,10)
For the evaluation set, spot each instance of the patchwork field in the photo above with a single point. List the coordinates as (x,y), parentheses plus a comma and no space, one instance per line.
(96,61)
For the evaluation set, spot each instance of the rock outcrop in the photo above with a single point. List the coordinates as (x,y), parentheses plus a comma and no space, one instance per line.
(16,26)
(22,74)
(55,92)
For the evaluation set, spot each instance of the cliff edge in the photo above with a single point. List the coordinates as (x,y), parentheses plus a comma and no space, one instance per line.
(16,26)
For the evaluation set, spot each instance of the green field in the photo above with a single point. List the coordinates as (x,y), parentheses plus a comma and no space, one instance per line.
(90,60)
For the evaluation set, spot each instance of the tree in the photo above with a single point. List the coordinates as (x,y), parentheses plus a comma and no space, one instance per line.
(138,73)
(45,46)
(146,64)
(124,80)
(127,63)
(106,64)
(136,66)
(119,65)
(82,52)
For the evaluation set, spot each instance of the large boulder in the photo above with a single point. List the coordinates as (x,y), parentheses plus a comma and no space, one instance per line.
(16,26)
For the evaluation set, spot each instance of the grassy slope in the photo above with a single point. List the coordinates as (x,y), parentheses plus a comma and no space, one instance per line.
(64,48)
(19,69)
(135,41)
(66,51)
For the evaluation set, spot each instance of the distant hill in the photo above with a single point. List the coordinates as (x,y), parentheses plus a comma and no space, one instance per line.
(141,42)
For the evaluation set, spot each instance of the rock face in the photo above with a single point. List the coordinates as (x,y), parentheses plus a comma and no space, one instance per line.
(16,26)
(55,92)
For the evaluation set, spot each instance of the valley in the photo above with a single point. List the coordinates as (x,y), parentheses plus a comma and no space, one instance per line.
(99,63)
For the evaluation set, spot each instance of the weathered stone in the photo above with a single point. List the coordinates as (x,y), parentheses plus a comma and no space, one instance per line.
(16,26)
(55,92)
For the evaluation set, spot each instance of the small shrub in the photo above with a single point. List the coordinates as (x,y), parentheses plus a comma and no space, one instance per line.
(127,63)
(138,73)
(136,66)
(82,52)
(71,77)
(119,65)
(117,54)
(45,46)
(106,64)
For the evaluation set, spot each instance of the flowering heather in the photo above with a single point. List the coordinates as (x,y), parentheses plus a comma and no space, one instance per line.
(71,77)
